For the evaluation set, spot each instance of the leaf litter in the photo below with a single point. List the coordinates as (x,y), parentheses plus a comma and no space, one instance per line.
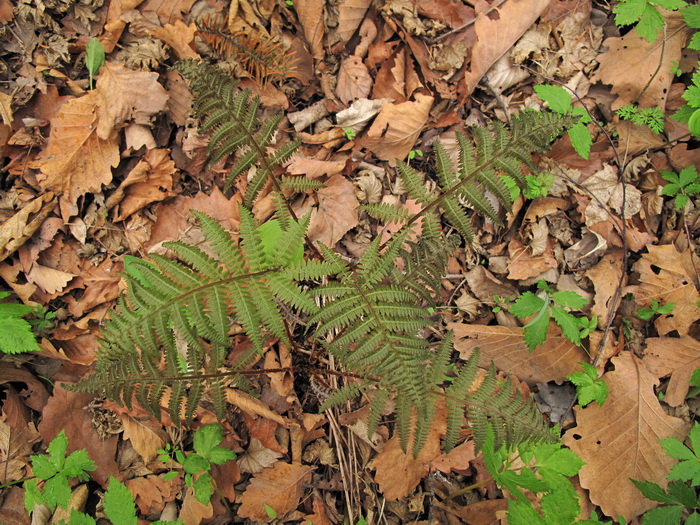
(92,176)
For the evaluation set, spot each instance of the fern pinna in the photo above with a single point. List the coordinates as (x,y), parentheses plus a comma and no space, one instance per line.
(170,333)
(232,117)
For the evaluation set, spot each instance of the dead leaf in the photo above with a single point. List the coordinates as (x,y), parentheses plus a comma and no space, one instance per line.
(252,406)
(126,95)
(310,13)
(257,457)
(678,358)
(523,265)
(168,11)
(605,277)
(495,37)
(179,37)
(193,512)
(667,276)
(620,440)
(146,436)
(12,507)
(280,487)
(314,168)
(350,16)
(35,395)
(505,346)
(76,160)
(394,132)
(19,228)
(354,81)
(631,64)
(67,411)
(15,449)
(151,493)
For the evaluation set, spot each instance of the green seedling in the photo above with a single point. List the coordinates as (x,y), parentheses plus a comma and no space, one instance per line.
(349,133)
(690,113)
(16,334)
(675,69)
(538,185)
(414,153)
(94,58)
(589,387)
(653,118)
(655,309)
(559,100)
(681,186)
(197,464)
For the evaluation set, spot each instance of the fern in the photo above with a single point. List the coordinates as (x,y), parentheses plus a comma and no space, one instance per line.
(172,329)
(232,118)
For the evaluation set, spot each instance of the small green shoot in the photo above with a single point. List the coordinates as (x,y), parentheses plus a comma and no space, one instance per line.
(655,309)
(553,305)
(678,494)
(559,100)
(16,334)
(94,58)
(197,464)
(645,15)
(501,303)
(682,186)
(55,470)
(538,185)
(349,133)
(414,153)
(653,118)
(675,69)
(589,387)
(271,513)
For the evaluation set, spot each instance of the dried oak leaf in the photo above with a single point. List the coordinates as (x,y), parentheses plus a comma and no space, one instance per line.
(495,37)
(667,276)
(677,357)
(193,512)
(168,11)
(179,37)
(354,80)
(505,346)
(151,493)
(146,436)
(395,130)
(280,487)
(620,440)
(76,160)
(126,95)
(310,13)
(605,277)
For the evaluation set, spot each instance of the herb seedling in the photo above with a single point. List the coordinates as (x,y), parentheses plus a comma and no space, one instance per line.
(197,464)
(681,186)
(414,153)
(559,100)
(589,387)
(349,133)
(655,309)
(94,58)
(653,118)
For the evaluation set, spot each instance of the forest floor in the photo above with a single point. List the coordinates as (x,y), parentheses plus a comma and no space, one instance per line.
(91,175)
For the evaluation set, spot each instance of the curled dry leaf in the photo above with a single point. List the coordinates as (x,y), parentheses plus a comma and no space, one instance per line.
(620,440)
(354,81)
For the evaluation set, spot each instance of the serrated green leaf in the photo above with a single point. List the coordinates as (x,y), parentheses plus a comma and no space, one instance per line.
(687,175)
(681,201)
(693,519)
(526,305)
(77,464)
(42,467)
(78,518)
(56,492)
(57,451)
(652,491)
(628,12)
(682,493)
(536,332)
(561,460)
(32,496)
(569,299)
(568,324)
(671,5)
(16,336)
(203,488)
(221,455)
(670,189)
(581,139)
(520,513)
(119,503)
(694,42)
(207,437)
(580,379)
(664,515)
(694,436)
(560,506)
(196,463)
(692,95)
(650,23)
(691,15)
(559,99)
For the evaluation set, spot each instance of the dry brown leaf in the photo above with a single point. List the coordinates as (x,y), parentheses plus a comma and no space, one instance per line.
(620,440)
(146,436)
(354,80)
(12,506)
(76,161)
(193,512)
(310,13)
(336,213)
(631,64)
(319,517)
(605,277)
(151,493)
(48,279)
(168,11)
(257,457)
(677,357)
(350,16)
(523,265)
(505,346)
(180,37)
(280,487)
(495,37)
(314,168)
(667,276)
(126,95)
(19,228)
(151,180)
(252,406)
(15,449)
(68,411)
(395,130)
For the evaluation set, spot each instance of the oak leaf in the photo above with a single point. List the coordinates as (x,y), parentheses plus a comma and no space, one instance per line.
(353,80)
(556,358)
(193,512)
(310,13)
(280,487)
(76,160)
(677,357)
(151,493)
(395,130)
(620,440)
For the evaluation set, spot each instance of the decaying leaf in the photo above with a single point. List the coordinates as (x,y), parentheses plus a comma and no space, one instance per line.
(678,358)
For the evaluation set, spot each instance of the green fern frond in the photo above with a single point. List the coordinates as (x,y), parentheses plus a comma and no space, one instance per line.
(171,331)
(386,212)
(232,117)
(301,184)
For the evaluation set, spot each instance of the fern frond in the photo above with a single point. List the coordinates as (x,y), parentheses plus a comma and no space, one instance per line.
(386,212)
(262,57)
(172,328)
(301,184)
(232,116)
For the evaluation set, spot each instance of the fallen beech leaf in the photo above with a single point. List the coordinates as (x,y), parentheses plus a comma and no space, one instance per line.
(168,11)
(523,265)
(146,436)
(395,130)
(257,457)
(67,411)
(193,512)
(280,487)
(319,517)
(605,277)
(48,279)
(12,506)
(350,16)
(667,276)
(76,161)
(314,168)
(126,95)
(495,37)
(35,395)
(310,13)
(179,37)
(15,449)
(677,357)
(620,440)
(151,493)
(252,406)
(19,228)
(353,80)
(505,346)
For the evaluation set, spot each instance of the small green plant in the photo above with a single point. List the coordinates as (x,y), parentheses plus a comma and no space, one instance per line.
(349,133)
(414,153)
(559,100)
(684,479)
(16,334)
(675,69)
(553,305)
(655,309)
(589,387)
(197,464)
(653,118)
(538,185)
(681,186)
(645,15)
(501,303)
(690,113)
(94,58)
